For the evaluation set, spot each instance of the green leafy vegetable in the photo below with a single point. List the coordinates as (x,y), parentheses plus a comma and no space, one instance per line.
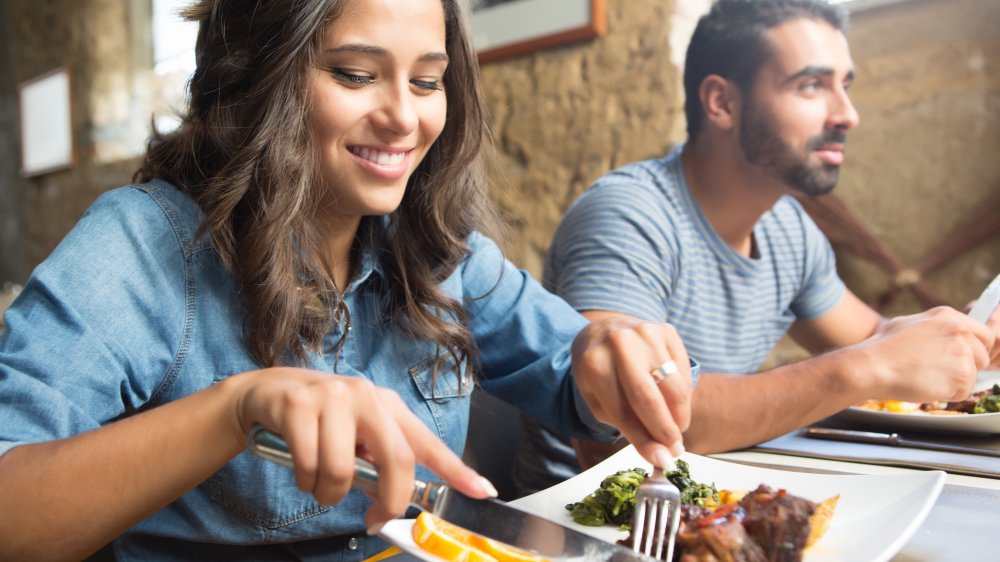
(694,493)
(989,403)
(612,503)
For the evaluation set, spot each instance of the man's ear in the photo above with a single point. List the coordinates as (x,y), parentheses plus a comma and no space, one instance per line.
(719,101)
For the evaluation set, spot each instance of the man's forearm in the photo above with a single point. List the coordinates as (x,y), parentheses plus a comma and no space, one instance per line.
(735,411)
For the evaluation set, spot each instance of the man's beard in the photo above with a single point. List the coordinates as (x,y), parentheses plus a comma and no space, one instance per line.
(763,147)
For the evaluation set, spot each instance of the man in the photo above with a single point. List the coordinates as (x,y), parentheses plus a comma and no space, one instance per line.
(709,239)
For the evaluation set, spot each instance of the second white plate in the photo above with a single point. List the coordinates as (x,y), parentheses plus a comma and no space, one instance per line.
(971,424)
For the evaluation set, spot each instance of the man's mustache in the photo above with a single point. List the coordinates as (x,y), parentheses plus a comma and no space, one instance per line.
(829,137)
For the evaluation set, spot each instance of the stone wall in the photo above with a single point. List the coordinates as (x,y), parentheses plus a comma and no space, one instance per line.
(96,39)
(565,116)
(924,158)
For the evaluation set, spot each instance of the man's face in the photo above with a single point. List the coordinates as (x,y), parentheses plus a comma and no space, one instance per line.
(797,113)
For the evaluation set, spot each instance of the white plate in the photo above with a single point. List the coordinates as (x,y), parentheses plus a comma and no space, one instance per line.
(978,424)
(874,518)
(399,532)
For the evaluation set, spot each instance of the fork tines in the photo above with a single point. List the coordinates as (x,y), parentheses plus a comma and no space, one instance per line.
(658,504)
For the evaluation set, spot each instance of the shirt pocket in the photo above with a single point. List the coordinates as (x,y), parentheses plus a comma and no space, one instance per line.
(446,397)
(264,496)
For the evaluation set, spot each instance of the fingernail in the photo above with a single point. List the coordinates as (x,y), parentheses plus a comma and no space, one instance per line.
(677,448)
(488,487)
(374,529)
(662,459)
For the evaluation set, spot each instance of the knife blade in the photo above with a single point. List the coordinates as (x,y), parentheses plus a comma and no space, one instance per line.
(893,439)
(987,302)
(491,518)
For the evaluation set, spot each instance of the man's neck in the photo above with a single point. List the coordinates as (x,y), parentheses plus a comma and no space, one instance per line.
(731,193)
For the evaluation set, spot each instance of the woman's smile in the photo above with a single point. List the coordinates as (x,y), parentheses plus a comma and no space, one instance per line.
(387,163)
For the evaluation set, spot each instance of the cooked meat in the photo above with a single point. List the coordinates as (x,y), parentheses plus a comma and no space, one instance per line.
(717,537)
(765,526)
(778,522)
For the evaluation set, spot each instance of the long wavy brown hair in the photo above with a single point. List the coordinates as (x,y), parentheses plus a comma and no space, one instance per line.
(244,153)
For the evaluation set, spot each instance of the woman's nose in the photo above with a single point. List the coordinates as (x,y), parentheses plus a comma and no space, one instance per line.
(397,112)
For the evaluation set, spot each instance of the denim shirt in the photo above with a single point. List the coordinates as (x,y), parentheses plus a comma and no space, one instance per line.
(132,311)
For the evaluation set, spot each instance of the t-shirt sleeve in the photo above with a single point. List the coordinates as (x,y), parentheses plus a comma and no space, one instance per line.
(822,287)
(615,250)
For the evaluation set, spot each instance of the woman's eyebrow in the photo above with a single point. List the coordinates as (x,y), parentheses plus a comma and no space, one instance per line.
(373,50)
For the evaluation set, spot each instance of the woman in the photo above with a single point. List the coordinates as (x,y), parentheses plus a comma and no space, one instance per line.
(303,253)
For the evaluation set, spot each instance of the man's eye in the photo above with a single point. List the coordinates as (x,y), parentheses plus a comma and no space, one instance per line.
(350,77)
(810,85)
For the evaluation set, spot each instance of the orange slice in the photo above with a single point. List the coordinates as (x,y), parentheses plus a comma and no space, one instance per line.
(503,552)
(446,540)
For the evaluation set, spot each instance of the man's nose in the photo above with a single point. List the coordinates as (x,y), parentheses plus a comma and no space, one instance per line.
(843,114)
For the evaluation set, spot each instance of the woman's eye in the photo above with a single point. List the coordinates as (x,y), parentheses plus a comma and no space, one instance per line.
(427,84)
(351,78)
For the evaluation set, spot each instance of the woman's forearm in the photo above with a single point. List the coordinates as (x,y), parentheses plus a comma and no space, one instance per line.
(65,499)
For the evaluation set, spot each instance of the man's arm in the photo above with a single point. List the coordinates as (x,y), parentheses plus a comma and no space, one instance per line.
(929,356)
(849,322)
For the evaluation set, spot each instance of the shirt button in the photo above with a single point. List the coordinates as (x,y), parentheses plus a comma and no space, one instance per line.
(352,544)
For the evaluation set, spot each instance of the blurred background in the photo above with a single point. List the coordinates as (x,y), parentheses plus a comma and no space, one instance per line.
(923,166)
(915,219)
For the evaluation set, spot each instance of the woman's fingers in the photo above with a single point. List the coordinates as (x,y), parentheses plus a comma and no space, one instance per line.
(615,370)
(644,404)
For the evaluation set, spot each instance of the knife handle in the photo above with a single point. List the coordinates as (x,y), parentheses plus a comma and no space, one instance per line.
(851,435)
(987,302)
(272,447)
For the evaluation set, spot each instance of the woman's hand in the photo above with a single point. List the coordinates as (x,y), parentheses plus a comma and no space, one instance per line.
(614,360)
(327,420)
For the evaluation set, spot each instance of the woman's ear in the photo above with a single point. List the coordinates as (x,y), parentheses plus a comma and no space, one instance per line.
(719,101)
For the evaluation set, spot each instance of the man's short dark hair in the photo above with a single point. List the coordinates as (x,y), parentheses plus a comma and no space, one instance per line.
(729,41)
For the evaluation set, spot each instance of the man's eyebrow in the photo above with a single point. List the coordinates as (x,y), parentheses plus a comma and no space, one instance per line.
(381,52)
(817,71)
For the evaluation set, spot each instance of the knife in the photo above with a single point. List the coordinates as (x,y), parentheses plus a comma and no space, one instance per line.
(987,302)
(893,439)
(491,518)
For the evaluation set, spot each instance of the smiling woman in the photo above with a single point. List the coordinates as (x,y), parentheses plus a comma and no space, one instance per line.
(306,251)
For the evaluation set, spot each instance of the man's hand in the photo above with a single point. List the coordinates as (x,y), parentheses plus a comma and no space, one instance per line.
(926,357)
(613,363)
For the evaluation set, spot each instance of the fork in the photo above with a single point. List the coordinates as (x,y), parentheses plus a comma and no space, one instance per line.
(657,502)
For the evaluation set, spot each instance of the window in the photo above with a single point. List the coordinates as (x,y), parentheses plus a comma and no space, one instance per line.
(173,60)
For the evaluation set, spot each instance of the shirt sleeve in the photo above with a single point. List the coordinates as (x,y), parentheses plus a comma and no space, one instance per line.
(822,287)
(80,348)
(525,334)
(616,250)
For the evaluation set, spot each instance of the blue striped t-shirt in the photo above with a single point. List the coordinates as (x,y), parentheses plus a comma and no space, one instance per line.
(636,242)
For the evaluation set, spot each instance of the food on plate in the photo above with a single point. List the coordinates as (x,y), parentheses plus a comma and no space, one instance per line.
(985,401)
(451,542)
(763,524)
(612,503)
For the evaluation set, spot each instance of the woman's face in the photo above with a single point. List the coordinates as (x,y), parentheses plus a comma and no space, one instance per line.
(378,100)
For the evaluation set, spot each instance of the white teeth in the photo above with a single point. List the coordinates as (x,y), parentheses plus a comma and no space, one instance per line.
(380,157)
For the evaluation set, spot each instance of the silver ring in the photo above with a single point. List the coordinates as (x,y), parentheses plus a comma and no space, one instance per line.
(668,368)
